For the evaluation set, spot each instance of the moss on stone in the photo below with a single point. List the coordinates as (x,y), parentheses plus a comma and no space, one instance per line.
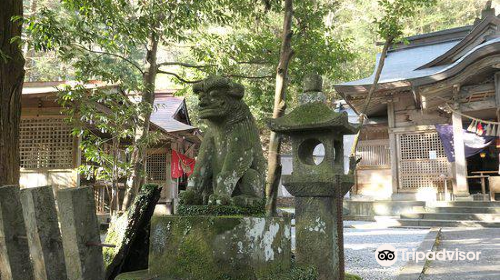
(221,210)
(114,236)
(352,277)
(219,248)
(117,231)
(303,273)
(221,226)
(191,256)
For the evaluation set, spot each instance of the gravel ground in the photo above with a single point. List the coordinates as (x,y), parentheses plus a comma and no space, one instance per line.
(360,246)
(484,240)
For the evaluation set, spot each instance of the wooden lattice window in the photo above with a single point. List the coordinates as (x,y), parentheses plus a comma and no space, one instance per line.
(45,143)
(156,167)
(421,160)
(374,153)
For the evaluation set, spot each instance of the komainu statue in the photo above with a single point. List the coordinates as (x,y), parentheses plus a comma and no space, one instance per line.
(230,168)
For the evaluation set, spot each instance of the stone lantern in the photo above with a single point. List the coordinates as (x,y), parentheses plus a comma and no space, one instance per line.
(318,187)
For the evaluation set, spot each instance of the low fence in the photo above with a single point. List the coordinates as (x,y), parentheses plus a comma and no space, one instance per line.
(39,242)
(106,198)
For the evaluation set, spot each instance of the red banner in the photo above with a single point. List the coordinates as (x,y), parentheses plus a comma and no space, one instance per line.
(181,165)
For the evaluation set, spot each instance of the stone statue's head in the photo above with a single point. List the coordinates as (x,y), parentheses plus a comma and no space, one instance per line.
(218,97)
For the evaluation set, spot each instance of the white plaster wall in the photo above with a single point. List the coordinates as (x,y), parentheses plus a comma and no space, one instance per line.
(61,178)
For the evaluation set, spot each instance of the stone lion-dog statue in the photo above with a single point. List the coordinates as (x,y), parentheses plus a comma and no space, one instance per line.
(230,168)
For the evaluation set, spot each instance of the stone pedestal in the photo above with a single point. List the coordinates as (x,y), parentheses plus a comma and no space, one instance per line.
(319,223)
(319,235)
(206,248)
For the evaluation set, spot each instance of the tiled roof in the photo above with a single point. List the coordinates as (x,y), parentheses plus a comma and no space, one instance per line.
(434,54)
(166,108)
(402,64)
(166,105)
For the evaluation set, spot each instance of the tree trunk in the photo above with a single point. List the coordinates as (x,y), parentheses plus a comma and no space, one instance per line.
(115,199)
(373,88)
(11,84)
(274,160)
(134,241)
(142,132)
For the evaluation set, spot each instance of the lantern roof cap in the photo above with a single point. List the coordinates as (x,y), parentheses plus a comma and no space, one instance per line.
(312,117)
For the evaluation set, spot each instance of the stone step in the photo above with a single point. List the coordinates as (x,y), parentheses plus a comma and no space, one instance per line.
(463,204)
(453,216)
(461,209)
(445,223)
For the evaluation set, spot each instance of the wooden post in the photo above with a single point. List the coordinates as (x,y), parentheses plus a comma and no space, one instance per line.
(393,147)
(78,160)
(462,187)
(79,228)
(497,101)
(15,261)
(446,190)
(483,185)
(44,236)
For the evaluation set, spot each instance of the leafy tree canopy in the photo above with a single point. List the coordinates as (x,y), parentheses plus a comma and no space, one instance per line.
(236,38)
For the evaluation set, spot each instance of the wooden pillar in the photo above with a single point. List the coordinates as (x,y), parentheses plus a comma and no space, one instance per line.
(461,188)
(497,101)
(393,147)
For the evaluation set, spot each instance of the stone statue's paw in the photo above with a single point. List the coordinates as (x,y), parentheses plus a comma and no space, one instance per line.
(219,199)
(246,201)
(190,197)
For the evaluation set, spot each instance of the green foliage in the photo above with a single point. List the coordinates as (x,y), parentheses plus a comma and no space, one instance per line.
(104,119)
(352,277)
(334,38)
(190,197)
(109,40)
(248,51)
(395,14)
(220,210)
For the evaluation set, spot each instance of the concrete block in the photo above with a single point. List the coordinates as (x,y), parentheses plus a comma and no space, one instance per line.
(15,261)
(80,229)
(44,236)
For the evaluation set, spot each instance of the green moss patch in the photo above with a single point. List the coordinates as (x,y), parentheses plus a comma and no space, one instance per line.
(296,273)
(303,273)
(220,210)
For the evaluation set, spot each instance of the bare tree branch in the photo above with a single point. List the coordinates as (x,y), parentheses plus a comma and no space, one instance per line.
(184,65)
(249,77)
(253,62)
(178,77)
(115,55)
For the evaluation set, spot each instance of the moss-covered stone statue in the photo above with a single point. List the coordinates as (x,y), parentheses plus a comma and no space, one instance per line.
(230,168)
